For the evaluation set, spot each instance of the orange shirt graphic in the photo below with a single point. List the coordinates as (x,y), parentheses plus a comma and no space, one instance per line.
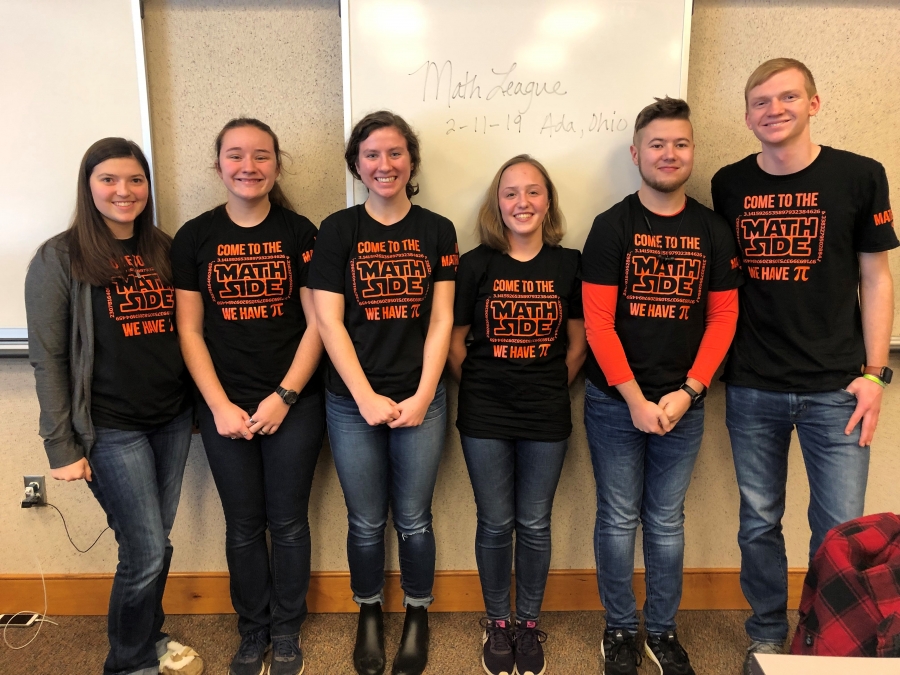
(522,319)
(253,279)
(390,278)
(139,295)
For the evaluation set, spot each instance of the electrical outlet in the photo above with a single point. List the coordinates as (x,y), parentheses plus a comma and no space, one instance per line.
(40,498)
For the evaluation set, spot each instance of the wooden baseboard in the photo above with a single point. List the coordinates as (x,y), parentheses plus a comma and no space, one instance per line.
(454,591)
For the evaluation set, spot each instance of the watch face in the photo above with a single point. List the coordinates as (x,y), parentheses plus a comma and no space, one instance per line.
(289,397)
(886,375)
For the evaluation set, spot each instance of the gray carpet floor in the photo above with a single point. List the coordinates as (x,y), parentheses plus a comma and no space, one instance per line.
(714,639)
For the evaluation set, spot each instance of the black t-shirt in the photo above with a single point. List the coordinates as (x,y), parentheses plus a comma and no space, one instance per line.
(800,328)
(386,274)
(664,274)
(139,379)
(250,280)
(514,378)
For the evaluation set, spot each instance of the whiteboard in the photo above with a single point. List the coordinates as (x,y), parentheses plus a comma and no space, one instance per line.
(73,73)
(482,81)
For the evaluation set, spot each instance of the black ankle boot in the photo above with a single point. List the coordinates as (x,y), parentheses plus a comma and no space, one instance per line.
(413,653)
(368,654)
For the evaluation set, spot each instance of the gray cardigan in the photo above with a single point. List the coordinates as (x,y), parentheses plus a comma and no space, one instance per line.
(61,349)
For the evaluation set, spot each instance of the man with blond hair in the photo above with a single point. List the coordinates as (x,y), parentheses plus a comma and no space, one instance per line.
(813,226)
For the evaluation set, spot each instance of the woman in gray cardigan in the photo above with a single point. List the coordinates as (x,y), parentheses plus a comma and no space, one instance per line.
(112,388)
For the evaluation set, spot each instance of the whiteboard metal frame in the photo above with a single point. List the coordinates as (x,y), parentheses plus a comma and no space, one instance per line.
(348,111)
(13,342)
(140,55)
(686,46)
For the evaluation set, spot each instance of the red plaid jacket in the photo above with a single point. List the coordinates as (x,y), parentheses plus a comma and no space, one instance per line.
(851,597)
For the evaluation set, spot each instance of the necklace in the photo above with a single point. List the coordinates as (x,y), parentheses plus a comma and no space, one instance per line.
(667,258)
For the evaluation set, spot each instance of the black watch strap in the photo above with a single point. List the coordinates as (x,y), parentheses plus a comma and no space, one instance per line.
(695,395)
(289,396)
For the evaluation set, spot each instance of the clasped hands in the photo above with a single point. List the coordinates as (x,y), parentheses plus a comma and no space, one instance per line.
(234,422)
(377,409)
(660,418)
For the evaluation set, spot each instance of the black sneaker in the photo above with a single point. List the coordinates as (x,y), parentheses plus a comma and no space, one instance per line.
(620,653)
(250,657)
(287,657)
(529,653)
(497,656)
(667,653)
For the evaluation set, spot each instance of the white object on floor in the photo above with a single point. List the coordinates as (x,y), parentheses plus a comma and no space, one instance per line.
(788,664)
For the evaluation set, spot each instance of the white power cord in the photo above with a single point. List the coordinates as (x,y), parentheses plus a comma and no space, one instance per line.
(42,618)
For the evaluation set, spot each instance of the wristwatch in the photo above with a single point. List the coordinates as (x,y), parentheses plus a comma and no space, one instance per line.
(883,373)
(289,396)
(695,396)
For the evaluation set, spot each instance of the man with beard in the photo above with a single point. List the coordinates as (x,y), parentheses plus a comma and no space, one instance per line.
(660,278)
(811,349)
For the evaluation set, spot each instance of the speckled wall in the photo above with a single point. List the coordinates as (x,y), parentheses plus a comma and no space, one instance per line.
(214,59)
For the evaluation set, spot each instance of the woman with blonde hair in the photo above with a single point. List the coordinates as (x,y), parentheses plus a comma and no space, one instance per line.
(519,296)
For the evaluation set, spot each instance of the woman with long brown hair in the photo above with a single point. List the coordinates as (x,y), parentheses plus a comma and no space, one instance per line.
(249,338)
(112,387)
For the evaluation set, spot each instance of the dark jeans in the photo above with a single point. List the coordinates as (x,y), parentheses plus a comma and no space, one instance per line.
(641,478)
(265,483)
(137,480)
(380,467)
(514,484)
(760,424)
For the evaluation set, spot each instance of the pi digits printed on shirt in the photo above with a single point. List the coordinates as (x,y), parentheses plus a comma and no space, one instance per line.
(782,235)
(391,278)
(139,301)
(522,317)
(664,276)
(251,280)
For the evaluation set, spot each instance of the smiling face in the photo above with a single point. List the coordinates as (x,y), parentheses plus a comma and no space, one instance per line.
(664,154)
(524,201)
(247,163)
(778,110)
(384,164)
(120,191)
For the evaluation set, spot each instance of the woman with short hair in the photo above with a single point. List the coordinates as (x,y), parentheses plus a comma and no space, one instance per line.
(383,276)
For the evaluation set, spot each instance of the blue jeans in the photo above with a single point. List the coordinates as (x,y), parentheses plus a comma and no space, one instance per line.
(760,424)
(514,484)
(137,480)
(264,483)
(377,467)
(640,478)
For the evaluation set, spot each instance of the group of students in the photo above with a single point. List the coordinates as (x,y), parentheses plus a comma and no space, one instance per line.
(247,296)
